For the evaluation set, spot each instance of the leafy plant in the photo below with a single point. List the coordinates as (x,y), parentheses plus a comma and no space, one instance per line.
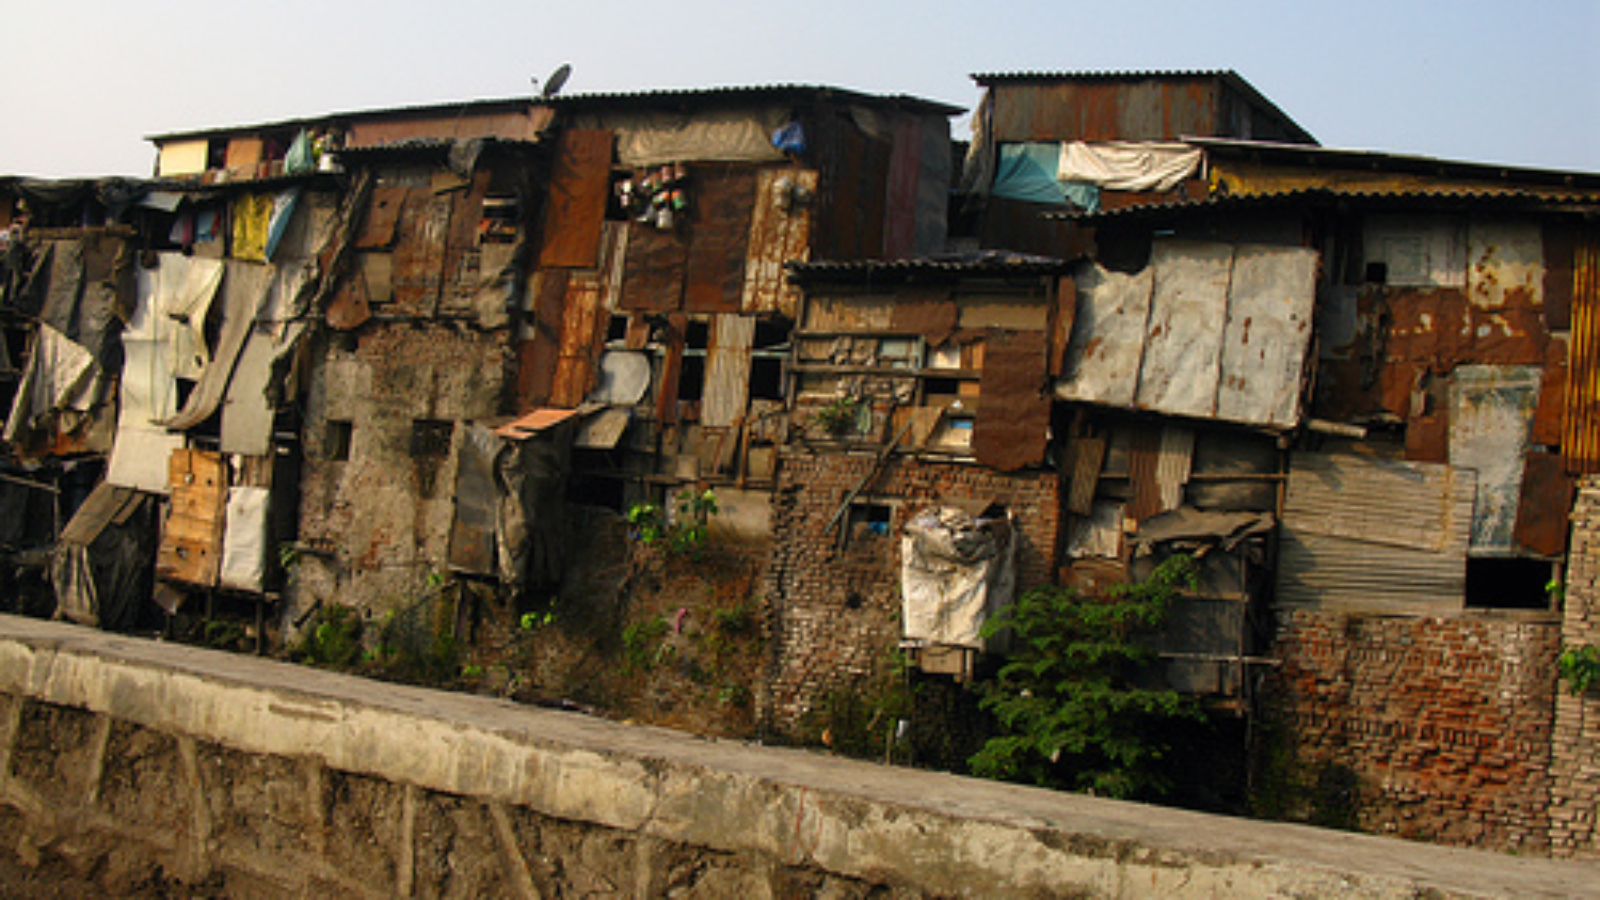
(838,416)
(1070,703)
(335,639)
(640,649)
(1580,668)
(683,533)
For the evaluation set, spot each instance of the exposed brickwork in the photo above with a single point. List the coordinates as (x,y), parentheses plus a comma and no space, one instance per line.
(834,613)
(1575,755)
(1440,728)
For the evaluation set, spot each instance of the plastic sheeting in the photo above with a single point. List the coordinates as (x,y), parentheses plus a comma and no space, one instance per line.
(61,376)
(653,138)
(245,538)
(1129,166)
(101,565)
(956,571)
(1031,172)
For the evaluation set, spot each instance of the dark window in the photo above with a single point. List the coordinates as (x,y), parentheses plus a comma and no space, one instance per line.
(336,440)
(431,437)
(1508,583)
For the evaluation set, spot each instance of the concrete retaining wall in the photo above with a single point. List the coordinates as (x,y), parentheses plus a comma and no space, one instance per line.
(138,763)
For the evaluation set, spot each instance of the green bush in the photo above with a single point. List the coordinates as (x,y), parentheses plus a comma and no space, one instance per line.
(1073,708)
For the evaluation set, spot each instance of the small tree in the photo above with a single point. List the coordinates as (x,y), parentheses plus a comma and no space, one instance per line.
(1071,706)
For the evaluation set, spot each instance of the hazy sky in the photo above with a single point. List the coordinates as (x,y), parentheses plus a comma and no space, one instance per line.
(88,80)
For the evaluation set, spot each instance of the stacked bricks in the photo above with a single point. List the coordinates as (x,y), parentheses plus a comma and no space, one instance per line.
(1445,723)
(1575,754)
(834,612)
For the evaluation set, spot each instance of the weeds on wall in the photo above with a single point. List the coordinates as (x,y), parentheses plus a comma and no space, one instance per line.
(413,643)
(1070,702)
(1579,667)
(683,533)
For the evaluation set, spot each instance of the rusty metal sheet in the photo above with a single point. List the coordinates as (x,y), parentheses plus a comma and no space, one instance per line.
(1507,263)
(459,123)
(539,353)
(1491,416)
(1428,437)
(191,539)
(603,430)
(1152,109)
(723,205)
(583,329)
(1580,443)
(1426,325)
(1189,308)
(671,370)
(1088,455)
(929,311)
(1013,421)
(850,211)
(1099,534)
(1366,533)
(1144,457)
(905,168)
(580,182)
(727,383)
(477,499)
(1547,419)
(1271,302)
(533,423)
(1102,359)
(1543,515)
(653,271)
(780,231)
(420,251)
(1064,313)
(1560,252)
(382,218)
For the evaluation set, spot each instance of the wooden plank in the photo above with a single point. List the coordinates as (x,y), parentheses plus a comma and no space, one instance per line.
(191,540)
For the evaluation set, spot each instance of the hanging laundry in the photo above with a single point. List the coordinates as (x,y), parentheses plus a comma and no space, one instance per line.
(252,217)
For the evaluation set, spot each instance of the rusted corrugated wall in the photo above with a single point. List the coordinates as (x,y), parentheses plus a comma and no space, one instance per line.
(1110,110)
(1580,444)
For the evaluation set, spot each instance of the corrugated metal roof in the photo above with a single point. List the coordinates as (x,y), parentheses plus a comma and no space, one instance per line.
(986,264)
(324,120)
(434,146)
(988,78)
(1333,157)
(764,93)
(1519,199)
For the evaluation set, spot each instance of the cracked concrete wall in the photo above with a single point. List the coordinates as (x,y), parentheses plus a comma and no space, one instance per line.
(138,763)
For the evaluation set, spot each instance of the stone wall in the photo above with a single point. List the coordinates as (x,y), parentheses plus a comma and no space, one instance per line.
(835,604)
(133,767)
(1435,729)
(1575,755)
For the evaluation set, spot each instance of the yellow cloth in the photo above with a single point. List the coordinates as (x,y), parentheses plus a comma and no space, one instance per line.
(251,215)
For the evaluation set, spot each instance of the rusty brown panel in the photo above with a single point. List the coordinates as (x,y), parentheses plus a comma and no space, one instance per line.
(1544,506)
(458,124)
(671,367)
(466,215)
(1144,462)
(382,218)
(1088,457)
(1013,421)
(723,204)
(580,182)
(1508,336)
(653,272)
(538,356)
(776,237)
(1064,314)
(1401,385)
(1137,110)
(419,253)
(905,167)
(928,311)
(1580,443)
(351,304)
(1425,326)
(1344,391)
(1552,394)
(583,325)
(1020,225)
(1560,246)
(1428,437)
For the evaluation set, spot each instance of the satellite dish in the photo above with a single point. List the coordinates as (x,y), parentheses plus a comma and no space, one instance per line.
(557,79)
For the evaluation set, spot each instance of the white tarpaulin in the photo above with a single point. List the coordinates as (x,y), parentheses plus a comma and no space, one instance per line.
(1129,166)
(653,138)
(244,541)
(61,375)
(956,571)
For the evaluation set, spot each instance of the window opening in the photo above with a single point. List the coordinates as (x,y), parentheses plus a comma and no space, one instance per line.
(1509,583)
(431,437)
(336,440)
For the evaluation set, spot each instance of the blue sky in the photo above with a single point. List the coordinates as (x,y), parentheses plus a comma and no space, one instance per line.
(89,80)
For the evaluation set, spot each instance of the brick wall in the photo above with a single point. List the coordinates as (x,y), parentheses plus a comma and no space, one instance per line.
(834,612)
(1575,754)
(1435,729)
